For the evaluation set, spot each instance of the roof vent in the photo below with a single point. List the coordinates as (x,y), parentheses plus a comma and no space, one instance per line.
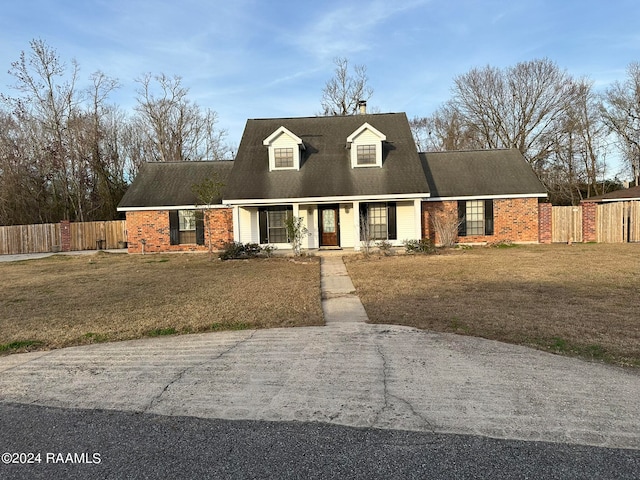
(362,106)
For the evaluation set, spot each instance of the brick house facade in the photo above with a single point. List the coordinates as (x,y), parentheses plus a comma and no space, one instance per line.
(341,176)
(514,219)
(153,228)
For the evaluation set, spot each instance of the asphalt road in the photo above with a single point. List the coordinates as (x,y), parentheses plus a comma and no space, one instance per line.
(129,445)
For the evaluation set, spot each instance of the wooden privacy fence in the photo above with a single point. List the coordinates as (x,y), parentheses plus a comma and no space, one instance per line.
(615,222)
(95,235)
(618,222)
(49,237)
(566,224)
(40,238)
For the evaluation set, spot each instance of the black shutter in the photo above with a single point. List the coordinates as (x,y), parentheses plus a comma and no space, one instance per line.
(462,212)
(200,227)
(262,217)
(363,220)
(174,228)
(488,217)
(392,224)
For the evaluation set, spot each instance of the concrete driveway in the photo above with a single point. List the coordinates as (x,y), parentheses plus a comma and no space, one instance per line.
(350,374)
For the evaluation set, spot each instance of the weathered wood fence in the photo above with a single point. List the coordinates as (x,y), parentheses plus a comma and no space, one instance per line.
(29,238)
(615,222)
(51,237)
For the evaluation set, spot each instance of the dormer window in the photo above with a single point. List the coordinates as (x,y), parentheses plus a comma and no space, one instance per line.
(366,155)
(283,157)
(366,147)
(284,150)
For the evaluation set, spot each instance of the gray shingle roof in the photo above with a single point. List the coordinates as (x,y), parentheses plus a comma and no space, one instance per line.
(166,184)
(325,163)
(480,173)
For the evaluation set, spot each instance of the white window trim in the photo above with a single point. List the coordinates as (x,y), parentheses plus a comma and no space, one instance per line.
(354,140)
(271,142)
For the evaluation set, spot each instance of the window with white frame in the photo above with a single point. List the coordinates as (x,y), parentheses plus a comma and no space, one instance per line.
(475,218)
(186,227)
(273,226)
(366,155)
(378,221)
(283,157)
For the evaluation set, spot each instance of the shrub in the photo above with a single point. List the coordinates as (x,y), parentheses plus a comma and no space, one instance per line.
(385,247)
(424,245)
(234,250)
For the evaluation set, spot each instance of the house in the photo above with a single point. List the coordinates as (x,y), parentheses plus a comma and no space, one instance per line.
(161,208)
(623,195)
(349,178)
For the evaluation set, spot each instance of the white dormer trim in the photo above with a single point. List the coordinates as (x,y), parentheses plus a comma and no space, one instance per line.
(364,136)
(283,138)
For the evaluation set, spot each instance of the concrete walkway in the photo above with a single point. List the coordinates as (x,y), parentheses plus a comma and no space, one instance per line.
(340,303)
(349,373)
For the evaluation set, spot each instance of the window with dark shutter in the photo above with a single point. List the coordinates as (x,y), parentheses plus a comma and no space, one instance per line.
(488,217)
(273,227)
(462,225)
(392,224)
(200,228)
(174,228)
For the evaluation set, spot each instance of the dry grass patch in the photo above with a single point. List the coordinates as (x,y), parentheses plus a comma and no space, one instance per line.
(71,300)
(580,300)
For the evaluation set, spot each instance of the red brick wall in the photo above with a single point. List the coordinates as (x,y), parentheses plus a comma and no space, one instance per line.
(515,220)
(544,222)
(589,227)
(153,227)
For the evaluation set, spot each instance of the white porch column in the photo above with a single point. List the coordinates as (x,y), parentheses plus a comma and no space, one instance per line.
(236,223)
(356,225)
(417,206)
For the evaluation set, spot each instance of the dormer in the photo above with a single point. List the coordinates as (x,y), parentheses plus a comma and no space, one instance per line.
(366,147)
(284,150)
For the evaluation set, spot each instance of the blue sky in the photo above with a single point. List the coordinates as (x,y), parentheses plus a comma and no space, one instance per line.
(254,59)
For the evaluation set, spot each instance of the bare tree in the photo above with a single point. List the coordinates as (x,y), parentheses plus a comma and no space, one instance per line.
(176,129)
(621,113)
(517,107)
(443,131)
(342,93)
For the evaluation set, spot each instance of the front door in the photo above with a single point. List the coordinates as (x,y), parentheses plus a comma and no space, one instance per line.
(329,226)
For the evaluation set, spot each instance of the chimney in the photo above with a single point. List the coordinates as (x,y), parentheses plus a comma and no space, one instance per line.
(362,106)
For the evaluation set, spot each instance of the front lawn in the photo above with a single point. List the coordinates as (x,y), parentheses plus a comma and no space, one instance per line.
(70,300)
(580,299)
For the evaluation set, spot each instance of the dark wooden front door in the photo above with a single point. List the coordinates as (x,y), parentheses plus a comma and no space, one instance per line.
(329,226)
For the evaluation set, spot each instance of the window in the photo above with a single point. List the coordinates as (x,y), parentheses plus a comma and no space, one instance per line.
(273,227)
(186,227)
(284,149)
(378,221)
(475,217)
(366,155)
(283,157)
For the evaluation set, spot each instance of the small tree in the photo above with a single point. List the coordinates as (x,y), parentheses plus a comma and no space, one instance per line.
(366,238)
(296,232)
(208,192)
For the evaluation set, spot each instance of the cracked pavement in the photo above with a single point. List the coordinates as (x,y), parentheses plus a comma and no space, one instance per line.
(347,373)
(359,375)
